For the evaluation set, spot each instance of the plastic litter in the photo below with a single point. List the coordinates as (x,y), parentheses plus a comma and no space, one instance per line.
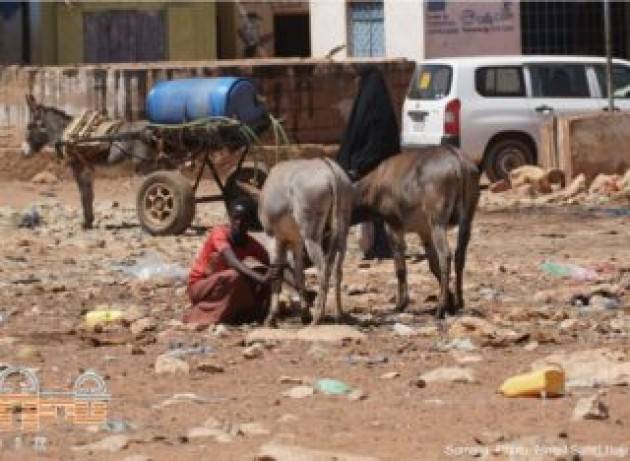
(332,387)
(354,359)
(30,219)
(569,270)
(102,317)
(179,349)
(546,382)
(151,266)
(116,426)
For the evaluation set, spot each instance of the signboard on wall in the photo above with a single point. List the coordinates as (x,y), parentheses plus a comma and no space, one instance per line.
(456,28)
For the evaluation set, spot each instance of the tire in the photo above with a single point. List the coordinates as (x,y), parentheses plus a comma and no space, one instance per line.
(505,155)
(254,177)
(165,203)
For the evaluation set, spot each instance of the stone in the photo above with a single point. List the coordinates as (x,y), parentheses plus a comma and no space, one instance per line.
(318,352)
(280,452)
(253,429)
(166,364)
(490,294)
(531,346)
(133,313)
(449,374)
(290,380)
(113,443)
(269,335)
(428,331)
(356,395)
(221,331)
(401,329)
(180,398)
(463,358)
(590,408)
(28,352)
(44,177)
(288,418)
(390,375)
(604,184)
(499,186)
(143,325)
(137,458)
(299,392)
(354,290)
(471,326)
(207,366)
(218,435)
(590,368)
(600,302)
(329,333)
(569,325)
(254,351)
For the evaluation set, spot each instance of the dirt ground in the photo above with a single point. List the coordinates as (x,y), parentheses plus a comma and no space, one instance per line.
(52,275)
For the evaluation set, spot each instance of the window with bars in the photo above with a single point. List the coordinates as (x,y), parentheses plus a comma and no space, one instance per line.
(571,28)
(367,29)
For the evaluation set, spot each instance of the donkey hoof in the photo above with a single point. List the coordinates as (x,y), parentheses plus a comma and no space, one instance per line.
(306,317)
(402,305)
(270,322)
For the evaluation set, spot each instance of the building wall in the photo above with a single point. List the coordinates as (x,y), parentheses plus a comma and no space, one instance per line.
(11,38)
(328,27)
(472,28)
(230,17)
(404,34)
(57,31)
(191,28)
(414,31)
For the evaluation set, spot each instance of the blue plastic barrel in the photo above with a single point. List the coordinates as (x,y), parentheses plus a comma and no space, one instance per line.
(184,100)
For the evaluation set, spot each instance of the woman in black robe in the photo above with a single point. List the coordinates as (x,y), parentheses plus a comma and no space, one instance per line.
(370,137)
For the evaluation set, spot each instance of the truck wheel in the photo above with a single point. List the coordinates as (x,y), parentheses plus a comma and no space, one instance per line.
(246,183)
(165,203)
(505,155)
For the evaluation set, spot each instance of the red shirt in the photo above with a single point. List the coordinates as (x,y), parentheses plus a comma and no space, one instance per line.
(210,260)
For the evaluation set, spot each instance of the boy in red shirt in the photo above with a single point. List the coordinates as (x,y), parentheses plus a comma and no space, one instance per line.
(221,288)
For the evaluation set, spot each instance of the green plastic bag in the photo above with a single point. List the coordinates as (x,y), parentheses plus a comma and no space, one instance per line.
(332,387)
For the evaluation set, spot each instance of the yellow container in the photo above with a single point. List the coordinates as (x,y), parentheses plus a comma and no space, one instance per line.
(548,381)
(102,317)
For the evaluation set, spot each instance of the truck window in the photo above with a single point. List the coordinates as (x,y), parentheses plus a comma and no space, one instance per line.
(621,81)
(500,82)
(559,81)
(430,81)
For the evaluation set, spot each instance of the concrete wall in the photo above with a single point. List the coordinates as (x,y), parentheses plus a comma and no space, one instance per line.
(588,144)
(328,27)
(312,96)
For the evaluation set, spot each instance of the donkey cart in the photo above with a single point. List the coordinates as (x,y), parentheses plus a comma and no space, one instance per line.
(166,199)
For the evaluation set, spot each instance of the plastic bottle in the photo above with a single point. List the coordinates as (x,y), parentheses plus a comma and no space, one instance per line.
(548,381)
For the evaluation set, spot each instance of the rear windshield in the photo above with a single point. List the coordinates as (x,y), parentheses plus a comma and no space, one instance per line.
(430,81)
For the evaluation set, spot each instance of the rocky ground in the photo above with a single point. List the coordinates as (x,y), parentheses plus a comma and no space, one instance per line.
(411,392)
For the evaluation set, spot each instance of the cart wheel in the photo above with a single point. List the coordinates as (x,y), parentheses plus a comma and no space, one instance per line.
(239,185)
(165,203)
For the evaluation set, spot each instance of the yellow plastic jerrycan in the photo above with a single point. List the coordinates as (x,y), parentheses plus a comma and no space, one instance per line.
(548,381)
(102,317)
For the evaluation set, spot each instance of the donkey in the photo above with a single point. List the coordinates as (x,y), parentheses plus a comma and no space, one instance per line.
(46,126)
(299,199)
(424,191)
